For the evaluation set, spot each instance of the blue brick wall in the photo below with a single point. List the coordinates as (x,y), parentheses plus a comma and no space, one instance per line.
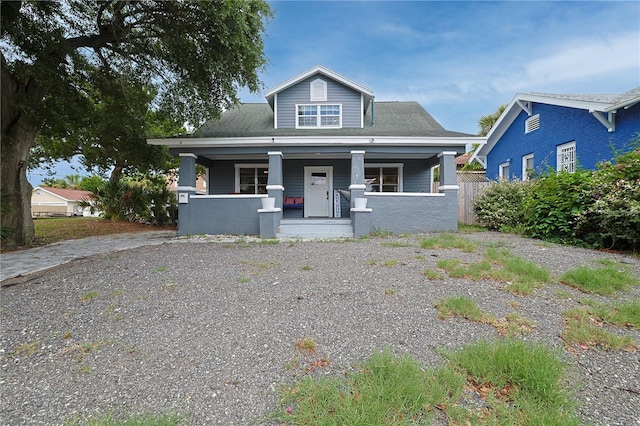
(559,125)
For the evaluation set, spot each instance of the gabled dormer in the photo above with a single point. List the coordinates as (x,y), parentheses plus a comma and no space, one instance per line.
(319,99)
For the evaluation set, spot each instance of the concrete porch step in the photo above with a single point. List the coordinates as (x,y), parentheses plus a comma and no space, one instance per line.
(315,228)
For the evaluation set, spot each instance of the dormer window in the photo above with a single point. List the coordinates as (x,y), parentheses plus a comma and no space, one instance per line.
(318,90)
(318,116)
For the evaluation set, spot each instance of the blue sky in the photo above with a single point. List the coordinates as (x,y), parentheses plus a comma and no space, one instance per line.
(459,59)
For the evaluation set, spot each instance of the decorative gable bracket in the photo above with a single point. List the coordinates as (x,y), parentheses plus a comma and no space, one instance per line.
(526,106)
(609,122)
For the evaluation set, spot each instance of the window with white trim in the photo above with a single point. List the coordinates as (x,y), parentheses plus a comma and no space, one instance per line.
(527,166)
(318,116)
(503,171)
(566,154)
(252,178)
(383,177)
(532,123)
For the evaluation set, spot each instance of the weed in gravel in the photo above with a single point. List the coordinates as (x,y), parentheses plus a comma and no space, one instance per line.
(519,382)
(244,280)
(583,327)
(158,270)
(390,291)
(390,262)
(269,241)
(432,275)
(514,325)
(88,296)
(117,292)
(306,346)
(605,280)
(448,240)
(623,314)
(380,233)
(306,268)
(563,294)
(460,306)
(470,229)
(372,262)
(515,382)
(522,276)
(396,244)
(26,349)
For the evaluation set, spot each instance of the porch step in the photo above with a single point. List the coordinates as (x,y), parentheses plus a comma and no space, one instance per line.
(315,228)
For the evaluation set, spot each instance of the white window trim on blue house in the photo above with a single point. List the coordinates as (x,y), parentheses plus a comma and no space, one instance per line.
(525,166)
(255,167)
(566,157)
(503,170)
(380,185)
(318,116)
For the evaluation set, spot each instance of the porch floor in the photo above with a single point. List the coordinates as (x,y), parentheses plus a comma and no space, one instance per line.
(315,228)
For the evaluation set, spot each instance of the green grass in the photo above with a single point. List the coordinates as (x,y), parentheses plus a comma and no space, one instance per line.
(396,244)
(470,229)
(519,383)
(623,314)
(390,262)
(605,280)
(584,328)
(460,306)
(90,295)
(432,275)
(448,240)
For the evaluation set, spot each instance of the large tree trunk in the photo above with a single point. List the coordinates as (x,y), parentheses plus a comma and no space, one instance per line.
(20,103)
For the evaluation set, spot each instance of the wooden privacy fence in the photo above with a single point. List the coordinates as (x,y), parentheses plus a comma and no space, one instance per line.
(471,185)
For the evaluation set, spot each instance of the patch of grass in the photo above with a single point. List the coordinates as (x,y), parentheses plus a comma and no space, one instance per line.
(563,294)
(243,280)
(269,241)
(117,292)
(390,262)
(522,276)
(432,275)
(306,346)
(461,306)
(605,280)
(396,244)
(26,349)
(448,240)
(90,295)
(372,262)
(390,291)
(112,419)
(517,382)
(306,268)
(584,328)
(158,270)
(469,229)
(380,233)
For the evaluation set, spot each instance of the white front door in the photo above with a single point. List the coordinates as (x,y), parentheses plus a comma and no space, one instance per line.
(318,191)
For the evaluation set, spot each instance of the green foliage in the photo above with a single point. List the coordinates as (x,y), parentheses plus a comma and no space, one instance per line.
(551,207)
(143,198)
(612,219)
(605,280)
(499,205)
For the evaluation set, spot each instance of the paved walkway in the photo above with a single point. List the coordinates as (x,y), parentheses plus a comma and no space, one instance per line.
(22,262)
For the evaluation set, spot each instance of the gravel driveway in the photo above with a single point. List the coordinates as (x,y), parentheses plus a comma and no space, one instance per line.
(208,329)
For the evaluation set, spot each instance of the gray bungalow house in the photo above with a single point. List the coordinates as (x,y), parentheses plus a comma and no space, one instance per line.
(321,158)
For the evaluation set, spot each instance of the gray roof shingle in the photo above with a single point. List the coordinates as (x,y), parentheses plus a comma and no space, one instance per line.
(391,119)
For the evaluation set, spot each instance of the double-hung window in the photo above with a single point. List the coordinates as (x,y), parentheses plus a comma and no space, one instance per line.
(383,177)
(503,171)
(252,178)
(319,116)
(566,157)
(527,166)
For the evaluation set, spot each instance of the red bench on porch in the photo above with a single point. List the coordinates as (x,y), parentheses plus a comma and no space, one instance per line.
(293,202)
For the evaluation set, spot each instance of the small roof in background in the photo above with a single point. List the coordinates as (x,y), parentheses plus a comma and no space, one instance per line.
(67,194)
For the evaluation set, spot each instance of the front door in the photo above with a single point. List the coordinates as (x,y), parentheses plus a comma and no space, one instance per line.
(318,191)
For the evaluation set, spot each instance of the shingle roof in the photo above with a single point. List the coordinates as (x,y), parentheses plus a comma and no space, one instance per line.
(607,98)
(391,119)
(67,194)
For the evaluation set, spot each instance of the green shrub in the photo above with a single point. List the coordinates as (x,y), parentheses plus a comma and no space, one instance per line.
(553,204)
(499,206)
(612,219)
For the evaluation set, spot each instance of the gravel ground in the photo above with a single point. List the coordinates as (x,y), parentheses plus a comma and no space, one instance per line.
(208,329)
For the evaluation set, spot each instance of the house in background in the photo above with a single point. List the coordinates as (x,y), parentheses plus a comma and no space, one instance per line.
(314,154)
(47,201)
(538,130)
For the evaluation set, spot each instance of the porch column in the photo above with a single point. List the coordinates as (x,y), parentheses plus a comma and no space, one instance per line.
(186,188)
(449,186)
(275,181)
(448,179)
(270,218)
(358,185)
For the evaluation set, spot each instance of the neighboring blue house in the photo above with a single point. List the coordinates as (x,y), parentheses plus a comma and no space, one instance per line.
(537,131)
(305,162)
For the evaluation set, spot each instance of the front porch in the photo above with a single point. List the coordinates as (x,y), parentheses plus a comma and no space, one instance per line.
(263,214)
